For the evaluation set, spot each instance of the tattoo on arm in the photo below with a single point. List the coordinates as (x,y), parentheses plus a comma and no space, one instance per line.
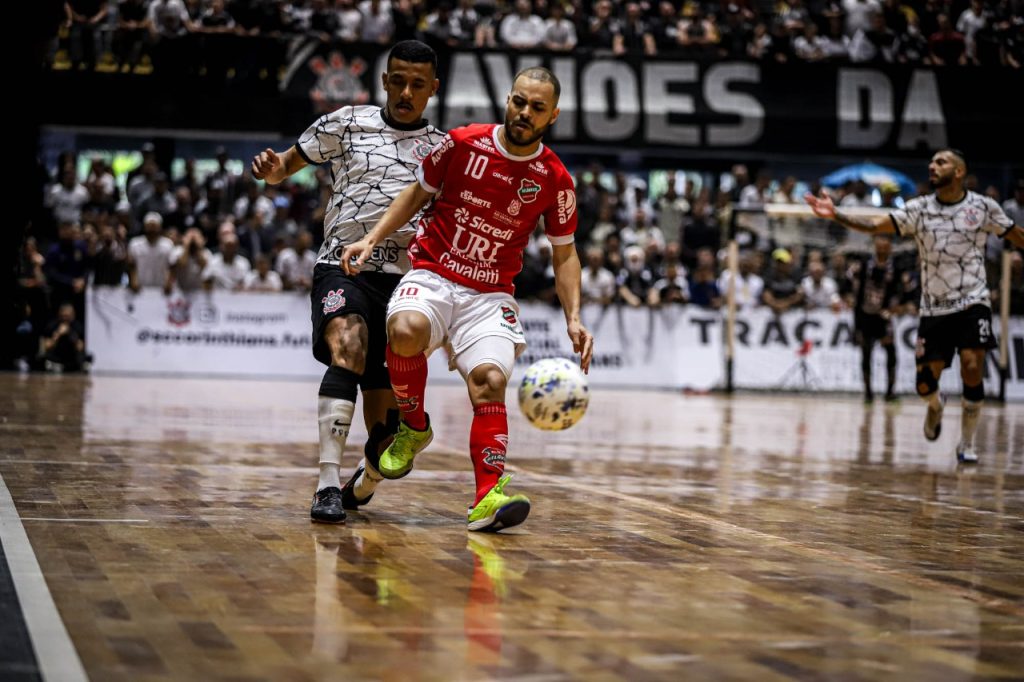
(859,224)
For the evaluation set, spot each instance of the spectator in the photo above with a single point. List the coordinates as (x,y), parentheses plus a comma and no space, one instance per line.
(820,290)
(877,44)
(810,46)
(973,20)
(67,266)
(188,261)
(465,20)
(149,256)
(635,278)
(598,283)
(522,30)
(735,34)
(672,288)
(226,269)
(262,279)
(858,15)
(110,259)
(665,28)
(704,291)
(559,32)
(636,33)
(749,285)
(160,200)
(441,30)
(377,25)
(253,201)
(603,30)
(781,291)
(132,31)
(63,342)
(295,264)
(67,197)
(83,33)
(697,33)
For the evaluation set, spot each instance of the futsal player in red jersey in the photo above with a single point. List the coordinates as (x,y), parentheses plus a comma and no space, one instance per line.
(490,185)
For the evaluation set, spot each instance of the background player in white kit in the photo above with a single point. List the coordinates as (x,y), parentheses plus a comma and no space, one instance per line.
(491,184)
(374,153)
(950,227)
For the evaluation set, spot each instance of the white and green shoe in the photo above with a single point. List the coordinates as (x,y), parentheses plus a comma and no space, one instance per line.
(396,461)
(498,510)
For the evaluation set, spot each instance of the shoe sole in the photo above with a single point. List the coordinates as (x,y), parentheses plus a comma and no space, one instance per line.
(965,460)
(512,514)
(333,522)
(405,472)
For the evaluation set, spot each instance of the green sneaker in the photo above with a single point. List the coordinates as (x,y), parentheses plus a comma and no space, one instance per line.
(498,510)
(396,461)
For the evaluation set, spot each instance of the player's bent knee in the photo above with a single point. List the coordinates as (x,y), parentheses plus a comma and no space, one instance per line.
(927,382)
(408,333)
(487,383)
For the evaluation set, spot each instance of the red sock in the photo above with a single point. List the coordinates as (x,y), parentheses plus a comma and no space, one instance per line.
(488,439)
(409,381)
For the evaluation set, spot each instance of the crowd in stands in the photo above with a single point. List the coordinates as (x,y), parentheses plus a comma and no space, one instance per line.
(226,231)
(221,35)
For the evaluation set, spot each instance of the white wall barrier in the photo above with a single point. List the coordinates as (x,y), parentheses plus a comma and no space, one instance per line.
(268,335)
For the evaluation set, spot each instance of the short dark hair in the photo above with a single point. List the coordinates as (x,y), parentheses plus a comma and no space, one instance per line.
(539,73)
(415,52)
(955,152)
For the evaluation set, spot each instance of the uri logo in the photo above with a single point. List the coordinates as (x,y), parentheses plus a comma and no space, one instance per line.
(338,82)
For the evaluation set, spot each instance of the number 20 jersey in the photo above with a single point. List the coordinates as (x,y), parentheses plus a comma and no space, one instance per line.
(489,204)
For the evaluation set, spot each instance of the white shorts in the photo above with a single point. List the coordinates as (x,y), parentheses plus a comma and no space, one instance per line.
(459,316)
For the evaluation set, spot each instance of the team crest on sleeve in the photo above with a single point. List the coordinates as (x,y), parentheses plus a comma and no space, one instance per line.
(566,205)
(333,301)
(528,191)
(509,314)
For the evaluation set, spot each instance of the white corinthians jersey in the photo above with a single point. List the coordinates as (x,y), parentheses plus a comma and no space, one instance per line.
(371,162)
(951,242)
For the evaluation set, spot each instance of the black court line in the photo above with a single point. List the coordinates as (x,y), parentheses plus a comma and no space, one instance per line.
(17,659)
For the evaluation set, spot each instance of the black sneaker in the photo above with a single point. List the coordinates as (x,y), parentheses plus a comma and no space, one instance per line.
(348,496)
(327,506)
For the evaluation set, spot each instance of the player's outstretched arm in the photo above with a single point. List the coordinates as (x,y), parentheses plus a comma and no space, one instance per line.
(406,205)
(274,168)
(824,208)
(568,272)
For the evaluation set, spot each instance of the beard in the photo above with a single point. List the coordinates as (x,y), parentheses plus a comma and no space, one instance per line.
(940,181)
(520,137)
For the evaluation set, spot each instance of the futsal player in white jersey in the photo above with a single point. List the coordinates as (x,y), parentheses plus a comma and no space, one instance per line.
(950,227)
(490,186)
(374,153)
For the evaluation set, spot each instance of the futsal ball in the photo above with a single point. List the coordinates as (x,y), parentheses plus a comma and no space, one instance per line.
(554,394)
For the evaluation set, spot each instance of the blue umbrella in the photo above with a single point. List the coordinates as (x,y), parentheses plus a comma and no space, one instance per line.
(870,173)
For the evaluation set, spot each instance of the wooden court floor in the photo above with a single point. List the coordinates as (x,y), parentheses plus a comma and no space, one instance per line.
(767,537)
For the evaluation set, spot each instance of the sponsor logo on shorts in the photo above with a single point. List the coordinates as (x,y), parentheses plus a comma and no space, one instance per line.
(509,314)
(494,458)
(566,205)
(333,301)
(528,191)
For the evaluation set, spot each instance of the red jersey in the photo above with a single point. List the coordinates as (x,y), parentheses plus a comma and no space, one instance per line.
(489,203)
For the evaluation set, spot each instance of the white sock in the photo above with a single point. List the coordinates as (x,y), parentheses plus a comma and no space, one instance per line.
(335,418)
(934,399)
(969,422)
(366,483)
